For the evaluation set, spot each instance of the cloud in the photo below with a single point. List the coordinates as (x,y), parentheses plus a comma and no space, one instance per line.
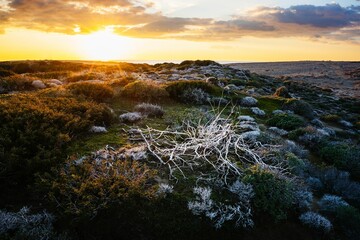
(330,15)
(137,18)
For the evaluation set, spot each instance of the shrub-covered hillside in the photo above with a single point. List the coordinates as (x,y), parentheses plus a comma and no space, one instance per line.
(195,150)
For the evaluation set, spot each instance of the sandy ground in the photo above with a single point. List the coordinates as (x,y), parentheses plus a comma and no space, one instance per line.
(343,78)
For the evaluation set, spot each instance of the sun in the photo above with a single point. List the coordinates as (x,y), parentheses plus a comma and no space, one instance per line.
(104,45)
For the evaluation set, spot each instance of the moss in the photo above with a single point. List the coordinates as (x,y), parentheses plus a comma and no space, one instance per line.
(270,103)
(90,142)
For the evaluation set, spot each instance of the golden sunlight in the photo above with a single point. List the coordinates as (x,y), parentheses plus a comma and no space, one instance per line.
(105,45)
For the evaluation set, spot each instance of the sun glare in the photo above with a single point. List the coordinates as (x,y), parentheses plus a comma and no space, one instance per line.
(105,45)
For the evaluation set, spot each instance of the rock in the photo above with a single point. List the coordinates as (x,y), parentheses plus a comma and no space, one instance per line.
(243,118)
(98,129)
(38,84)
(252,135)
(250,91)
(249,126)
(330,131)
(278,112)
(55,81)
(130,117)
(257,111)
(316,122)
(249,102)
(282,92)
(346,123)
(278,131)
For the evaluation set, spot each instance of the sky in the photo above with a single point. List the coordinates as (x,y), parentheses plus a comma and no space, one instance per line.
(227,30)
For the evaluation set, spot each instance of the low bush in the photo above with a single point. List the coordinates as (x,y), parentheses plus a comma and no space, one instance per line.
(144,90)
(195,96)
(95,91)
(299,107)
(86,188)
(17,83)
(286,121)
(23,225)
(82,77)
(315,220)
(282,92)
(35,131)
(273,196)
(5,73)
(150,110)
(330,203)
(330,118)
(176,89)
(342,155)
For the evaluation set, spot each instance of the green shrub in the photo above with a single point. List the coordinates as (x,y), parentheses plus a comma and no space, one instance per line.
(96,91)
(273,196)
(176,89)
(296,164)
(342,155)
(286,121)
(144,90)
(87,188)
(35,131)
(300,107)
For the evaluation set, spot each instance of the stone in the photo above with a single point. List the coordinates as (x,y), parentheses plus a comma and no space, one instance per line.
(130,117)
(346,123)
(249,102)
(38,84)
(257,111)
(252,135)
(243,118)
(278,131)
(97,129)
(55,81)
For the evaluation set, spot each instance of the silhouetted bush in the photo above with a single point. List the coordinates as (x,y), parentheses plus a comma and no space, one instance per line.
(5,73)
(150,110)
(144,90)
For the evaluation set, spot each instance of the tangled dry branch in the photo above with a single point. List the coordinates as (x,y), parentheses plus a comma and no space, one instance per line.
(218,143)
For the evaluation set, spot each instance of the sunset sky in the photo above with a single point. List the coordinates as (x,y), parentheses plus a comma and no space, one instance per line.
(232,30)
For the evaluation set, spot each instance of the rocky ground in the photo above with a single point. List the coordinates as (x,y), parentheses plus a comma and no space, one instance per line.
(341,78)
